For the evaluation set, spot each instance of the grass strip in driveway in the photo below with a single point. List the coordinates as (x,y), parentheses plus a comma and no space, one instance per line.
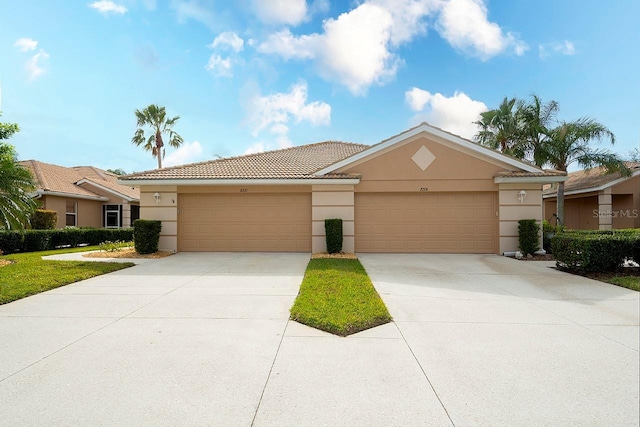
(630,282)
(29,274)
(337,296)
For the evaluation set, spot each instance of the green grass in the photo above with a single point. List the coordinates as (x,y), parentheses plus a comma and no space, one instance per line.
(29,274)
(630,282)
(337,296)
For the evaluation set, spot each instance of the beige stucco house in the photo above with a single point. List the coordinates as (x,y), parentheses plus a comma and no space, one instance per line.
(424,190)
(595,200)
(84,196)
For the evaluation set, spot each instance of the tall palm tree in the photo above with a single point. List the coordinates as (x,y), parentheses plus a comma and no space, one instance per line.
(537,119)
(16,184)
(568,143)
(155,117)
(501,128)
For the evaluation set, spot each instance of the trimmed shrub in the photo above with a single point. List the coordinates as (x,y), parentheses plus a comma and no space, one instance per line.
(333,231)
(43,219)
(146,235)
(548,231)
(594,250)
(37,240)
(10,242)
(528,236)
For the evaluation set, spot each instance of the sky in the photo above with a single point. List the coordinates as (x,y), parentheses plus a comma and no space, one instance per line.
(253,75)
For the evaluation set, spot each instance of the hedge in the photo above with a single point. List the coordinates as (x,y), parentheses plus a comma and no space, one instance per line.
(333,232)
(146,235)
(43,219)
(528,236)
(590,251)
(42,240)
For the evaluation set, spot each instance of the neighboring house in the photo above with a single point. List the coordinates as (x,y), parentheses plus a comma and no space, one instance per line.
(595,200)
(424,190)
(84,196)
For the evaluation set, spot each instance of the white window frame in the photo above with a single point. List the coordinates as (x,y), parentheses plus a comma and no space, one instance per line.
(74,213)
(106,214)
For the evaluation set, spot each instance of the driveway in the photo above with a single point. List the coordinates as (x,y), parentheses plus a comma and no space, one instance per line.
(204,339)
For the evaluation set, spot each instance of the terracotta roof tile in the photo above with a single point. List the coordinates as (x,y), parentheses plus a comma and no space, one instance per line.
(289,163)
(517,174)
(591,178)
(62,179)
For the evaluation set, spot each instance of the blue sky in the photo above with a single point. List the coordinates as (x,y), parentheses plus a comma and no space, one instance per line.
(253,75)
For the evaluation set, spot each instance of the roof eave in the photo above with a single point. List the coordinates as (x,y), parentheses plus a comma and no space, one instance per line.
(70,195)
(547,179)
(593,189)
(107,189)
(242,181)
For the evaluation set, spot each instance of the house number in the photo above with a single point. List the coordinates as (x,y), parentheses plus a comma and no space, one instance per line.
(244,190)
(424,189)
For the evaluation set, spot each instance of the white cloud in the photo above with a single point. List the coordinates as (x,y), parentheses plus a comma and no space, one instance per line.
(454,114)
(192,9)
(34,66)
(228,39)
(258,147)
(219,66)
(289,12)
(562,48)
(26,44)
(106,7)
(274,113)
(150,4)
(465,25)
(187,153)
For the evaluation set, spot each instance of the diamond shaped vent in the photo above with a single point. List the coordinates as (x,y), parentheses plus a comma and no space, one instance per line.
(423,158)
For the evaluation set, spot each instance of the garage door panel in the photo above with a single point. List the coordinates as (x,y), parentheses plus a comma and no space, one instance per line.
(426,222)
(245,222)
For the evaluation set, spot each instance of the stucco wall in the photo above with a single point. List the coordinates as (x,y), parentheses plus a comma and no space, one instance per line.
(511,210)
(331,201)
(165,210)
(89,212)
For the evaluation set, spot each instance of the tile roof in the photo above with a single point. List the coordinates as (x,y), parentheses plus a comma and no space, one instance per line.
(289,163)
(518,174)
(60,179)
(591,178)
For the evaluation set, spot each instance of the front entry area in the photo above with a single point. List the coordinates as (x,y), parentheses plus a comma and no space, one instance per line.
(426,222)
(221,222)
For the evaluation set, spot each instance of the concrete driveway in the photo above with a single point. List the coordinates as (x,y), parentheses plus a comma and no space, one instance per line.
(203,339)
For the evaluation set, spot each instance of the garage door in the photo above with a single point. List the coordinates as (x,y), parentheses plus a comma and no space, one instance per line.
(245,222)
(426,222)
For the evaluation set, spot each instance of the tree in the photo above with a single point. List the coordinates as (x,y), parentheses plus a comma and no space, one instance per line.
(501,128)
(117,171)
(155,118)
(568,143)
(16,182)
(537,119)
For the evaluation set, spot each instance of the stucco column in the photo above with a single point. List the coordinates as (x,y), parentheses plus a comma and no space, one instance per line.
(165,209)
(332,201)
(514,206)
(126,214)
(605,214)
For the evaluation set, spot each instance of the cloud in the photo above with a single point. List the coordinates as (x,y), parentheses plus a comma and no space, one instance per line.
(289,12)
(34,66)
(106,7)
(219,66)
(26,44)
(561,48)
(454,114)
(187,153)
(226,40)
(274,113)
(150,4)
(358,48)
(258,147)
(192,9)
(465,25)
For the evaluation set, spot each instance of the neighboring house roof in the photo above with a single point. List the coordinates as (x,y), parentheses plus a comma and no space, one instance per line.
(321,161)
(289,163)
(76,182)
(595,179)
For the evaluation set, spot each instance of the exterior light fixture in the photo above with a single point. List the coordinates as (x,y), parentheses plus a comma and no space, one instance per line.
(521,195)
(157,197)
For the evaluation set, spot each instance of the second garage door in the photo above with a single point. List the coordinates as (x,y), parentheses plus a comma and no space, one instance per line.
(426,222)
(245,222)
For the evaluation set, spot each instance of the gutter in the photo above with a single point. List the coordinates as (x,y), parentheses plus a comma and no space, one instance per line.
(39,193)
(271,181)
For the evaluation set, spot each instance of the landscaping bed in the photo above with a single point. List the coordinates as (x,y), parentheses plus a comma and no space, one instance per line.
(126,253)
(337,296)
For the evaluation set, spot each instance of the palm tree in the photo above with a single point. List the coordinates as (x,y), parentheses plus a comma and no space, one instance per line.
(501,128)
(568,143)
(537,119)
(155,117)
(16,182)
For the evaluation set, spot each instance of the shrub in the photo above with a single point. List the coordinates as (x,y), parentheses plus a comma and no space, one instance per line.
(528,236)
(548,231)
(594,250)
(43,219)
(10,241)
(146,235)
(37,240)
(333,231)
(42,240)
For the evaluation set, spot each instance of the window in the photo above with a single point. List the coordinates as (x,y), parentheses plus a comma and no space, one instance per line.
(72,213)
(112,216)
(135,213)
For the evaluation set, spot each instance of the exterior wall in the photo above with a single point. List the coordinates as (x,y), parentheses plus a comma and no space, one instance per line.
(394,170)
(331,201)
(165,210)
(630,187)
(113,200)
(511,210)
(89,212)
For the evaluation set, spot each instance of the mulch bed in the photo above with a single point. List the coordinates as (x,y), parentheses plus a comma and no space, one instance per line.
(4,262)
(547,257)
(126,253)
(343,255)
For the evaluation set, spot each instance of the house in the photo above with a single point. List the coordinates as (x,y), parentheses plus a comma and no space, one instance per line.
(594,200)
(423,190)
(84,196)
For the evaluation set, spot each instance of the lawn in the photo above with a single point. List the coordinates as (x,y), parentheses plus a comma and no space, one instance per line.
(337,296)
(630,282)
(28,274)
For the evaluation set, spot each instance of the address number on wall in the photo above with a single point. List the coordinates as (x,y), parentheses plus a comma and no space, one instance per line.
(424,189)
(244,190)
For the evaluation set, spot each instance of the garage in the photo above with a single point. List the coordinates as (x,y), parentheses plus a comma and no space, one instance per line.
(426,222)
(245,222)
